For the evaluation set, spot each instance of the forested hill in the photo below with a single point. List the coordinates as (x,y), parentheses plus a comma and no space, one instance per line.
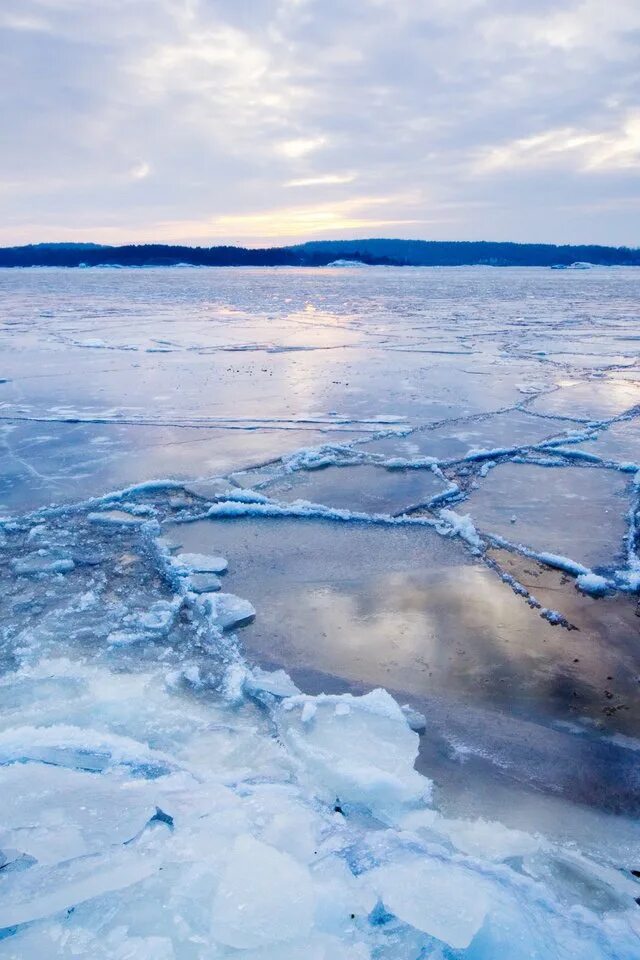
(439,253)
(144,255)
(319,253)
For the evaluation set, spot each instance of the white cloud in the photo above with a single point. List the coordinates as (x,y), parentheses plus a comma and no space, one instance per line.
(581,150)
(299,147)
(145,118)
(324,180)
(140,171)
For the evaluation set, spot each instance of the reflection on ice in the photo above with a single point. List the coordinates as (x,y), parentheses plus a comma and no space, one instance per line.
(575,512)
(620,442)
(590,400)
(360,488)
(453,441)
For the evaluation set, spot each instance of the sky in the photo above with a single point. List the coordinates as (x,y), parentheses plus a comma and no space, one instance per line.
(265,122)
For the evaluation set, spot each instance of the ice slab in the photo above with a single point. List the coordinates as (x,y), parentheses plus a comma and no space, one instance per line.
(204,583)
(574,511)
(457,440)
(200,563)
(228,611)
(55,814)
(361,488)
(443,900)
(116,518)
(489,840)
(381,606)
(620,442)
(43,891)
(42,561)
(355,750)
(209,489)
(264,897)
(592,400)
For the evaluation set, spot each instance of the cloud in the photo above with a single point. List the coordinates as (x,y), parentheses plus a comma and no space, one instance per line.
(138,118)
(323,219)
(140,170)
(580,150)
(300,147)
(325,179)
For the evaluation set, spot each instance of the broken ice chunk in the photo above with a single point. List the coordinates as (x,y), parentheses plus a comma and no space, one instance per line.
(442,899)
(200,563)
(364,756)
(454,524)
(264,897)
(158,619)
(44,891)
(204,583)
(209,489)
(227,611)
(56,941)
(239,680)
(487,839)
(593,584)
(42,561)
(276,682)
(54,814)
(117,518)
(416,720)
(82,748)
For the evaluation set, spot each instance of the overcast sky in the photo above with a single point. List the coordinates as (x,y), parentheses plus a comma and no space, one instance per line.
(267,121)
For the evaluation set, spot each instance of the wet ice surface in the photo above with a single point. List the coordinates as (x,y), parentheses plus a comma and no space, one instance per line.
(367,488)
(417,468)
(513,497)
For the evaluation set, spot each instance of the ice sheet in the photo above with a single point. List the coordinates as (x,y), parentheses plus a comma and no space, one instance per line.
(155,781)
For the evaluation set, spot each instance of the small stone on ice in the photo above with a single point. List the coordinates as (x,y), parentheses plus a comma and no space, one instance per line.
(264,897)
(201,563)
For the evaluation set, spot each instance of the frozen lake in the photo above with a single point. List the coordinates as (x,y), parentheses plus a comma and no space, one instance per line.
(425,480)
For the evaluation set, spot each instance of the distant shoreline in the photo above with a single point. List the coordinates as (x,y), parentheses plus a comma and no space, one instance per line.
(322,253)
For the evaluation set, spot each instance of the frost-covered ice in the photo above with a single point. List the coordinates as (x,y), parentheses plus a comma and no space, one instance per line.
(377,443)
(199,563)
(592,583)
